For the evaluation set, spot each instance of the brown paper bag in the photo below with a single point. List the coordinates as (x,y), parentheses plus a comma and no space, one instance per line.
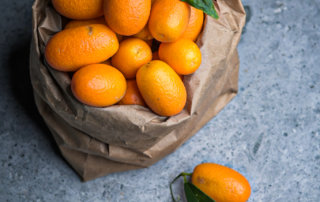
(99,141)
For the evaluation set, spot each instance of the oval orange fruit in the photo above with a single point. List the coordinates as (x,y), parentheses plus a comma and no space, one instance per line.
(195,24)
(221,183)
(98,85)
(132,54)
(161,87)
(73,48)
(132,96)
(79,10)
(127,17)
(168,19)
(79,23)
(183,56)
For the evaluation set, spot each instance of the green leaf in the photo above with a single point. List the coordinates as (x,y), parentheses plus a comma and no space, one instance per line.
(206,6)
(194,194)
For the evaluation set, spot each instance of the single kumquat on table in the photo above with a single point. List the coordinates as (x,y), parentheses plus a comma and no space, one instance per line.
(211,182)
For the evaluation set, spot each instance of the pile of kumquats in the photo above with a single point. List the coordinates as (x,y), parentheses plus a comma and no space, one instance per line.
(128,52)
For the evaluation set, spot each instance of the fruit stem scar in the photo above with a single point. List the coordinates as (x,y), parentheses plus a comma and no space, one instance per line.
(90,29)
(200,180)
(147,65)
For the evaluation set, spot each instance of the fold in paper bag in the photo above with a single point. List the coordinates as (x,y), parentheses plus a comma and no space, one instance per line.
(100,141)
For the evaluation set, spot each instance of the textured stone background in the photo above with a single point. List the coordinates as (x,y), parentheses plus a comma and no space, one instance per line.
(270,132)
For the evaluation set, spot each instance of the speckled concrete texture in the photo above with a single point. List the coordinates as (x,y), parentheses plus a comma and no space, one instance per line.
(270,132)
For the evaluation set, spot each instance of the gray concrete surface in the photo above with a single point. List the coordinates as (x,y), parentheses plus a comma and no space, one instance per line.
(270,132)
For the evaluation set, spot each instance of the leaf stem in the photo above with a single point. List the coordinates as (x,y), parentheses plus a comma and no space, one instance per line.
(184,175)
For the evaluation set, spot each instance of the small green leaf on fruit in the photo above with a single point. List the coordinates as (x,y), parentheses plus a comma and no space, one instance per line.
(206,6)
